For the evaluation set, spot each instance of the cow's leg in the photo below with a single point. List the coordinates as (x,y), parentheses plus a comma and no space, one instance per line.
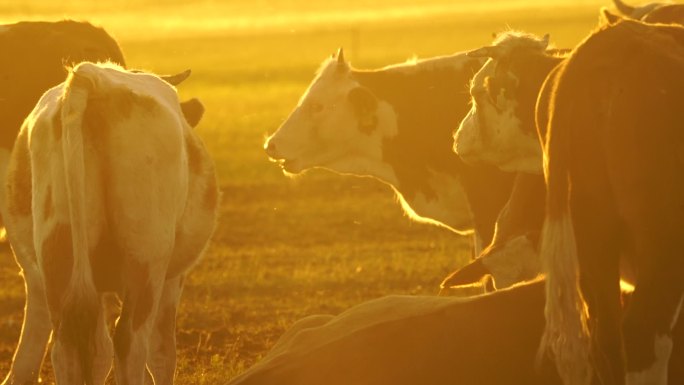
(142,291)
(598,254)
(162,360)
(37,327)
(104,351)
(4,162)
(35,331)
(648,341)
(651,317)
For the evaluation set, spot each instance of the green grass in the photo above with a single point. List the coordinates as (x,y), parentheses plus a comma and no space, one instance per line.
(287,248)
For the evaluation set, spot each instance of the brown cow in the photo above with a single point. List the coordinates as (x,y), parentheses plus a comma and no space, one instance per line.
(614,164)
(408,340)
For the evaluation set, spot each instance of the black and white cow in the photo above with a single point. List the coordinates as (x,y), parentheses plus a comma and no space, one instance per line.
(501,130)
(109,190)
(395,124)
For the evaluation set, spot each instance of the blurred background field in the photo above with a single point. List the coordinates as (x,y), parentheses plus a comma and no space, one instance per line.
(287,248)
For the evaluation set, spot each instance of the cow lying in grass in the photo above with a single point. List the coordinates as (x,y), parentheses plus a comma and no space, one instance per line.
(402,340)
(109,190)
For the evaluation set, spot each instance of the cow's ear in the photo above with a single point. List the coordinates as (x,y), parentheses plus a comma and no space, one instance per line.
(365,106)
(608,18)
(193,110)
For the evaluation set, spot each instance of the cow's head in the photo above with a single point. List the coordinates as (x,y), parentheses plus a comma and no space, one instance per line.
(511,261)
(500,127)
(335,125)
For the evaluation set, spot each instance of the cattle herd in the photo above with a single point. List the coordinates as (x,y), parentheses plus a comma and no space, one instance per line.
(564,165)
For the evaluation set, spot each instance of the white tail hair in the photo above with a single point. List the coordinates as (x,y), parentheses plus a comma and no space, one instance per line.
(567,333)
(81,302)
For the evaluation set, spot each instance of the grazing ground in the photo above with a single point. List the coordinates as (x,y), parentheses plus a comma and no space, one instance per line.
(287,248)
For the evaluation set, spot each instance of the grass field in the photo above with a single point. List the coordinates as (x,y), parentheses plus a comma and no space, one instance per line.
(287,248)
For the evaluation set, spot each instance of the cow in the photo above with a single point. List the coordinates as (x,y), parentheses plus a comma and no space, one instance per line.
(108,190)
(405,340)
(500,129)
(33,60)
(613,149)
(637,12)
(394,124)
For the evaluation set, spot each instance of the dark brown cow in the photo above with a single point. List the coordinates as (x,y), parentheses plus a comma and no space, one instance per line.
(615,160)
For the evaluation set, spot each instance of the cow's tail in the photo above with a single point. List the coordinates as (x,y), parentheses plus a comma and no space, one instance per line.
(566,334)
(81,304)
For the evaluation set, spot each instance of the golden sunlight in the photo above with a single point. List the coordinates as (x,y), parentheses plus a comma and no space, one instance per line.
(286,207)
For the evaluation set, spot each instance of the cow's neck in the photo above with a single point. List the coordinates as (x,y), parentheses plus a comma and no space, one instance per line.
(429,100)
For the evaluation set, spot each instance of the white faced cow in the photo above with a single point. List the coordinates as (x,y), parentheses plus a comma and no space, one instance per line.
(109,189)
(395,124)
(500,129)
